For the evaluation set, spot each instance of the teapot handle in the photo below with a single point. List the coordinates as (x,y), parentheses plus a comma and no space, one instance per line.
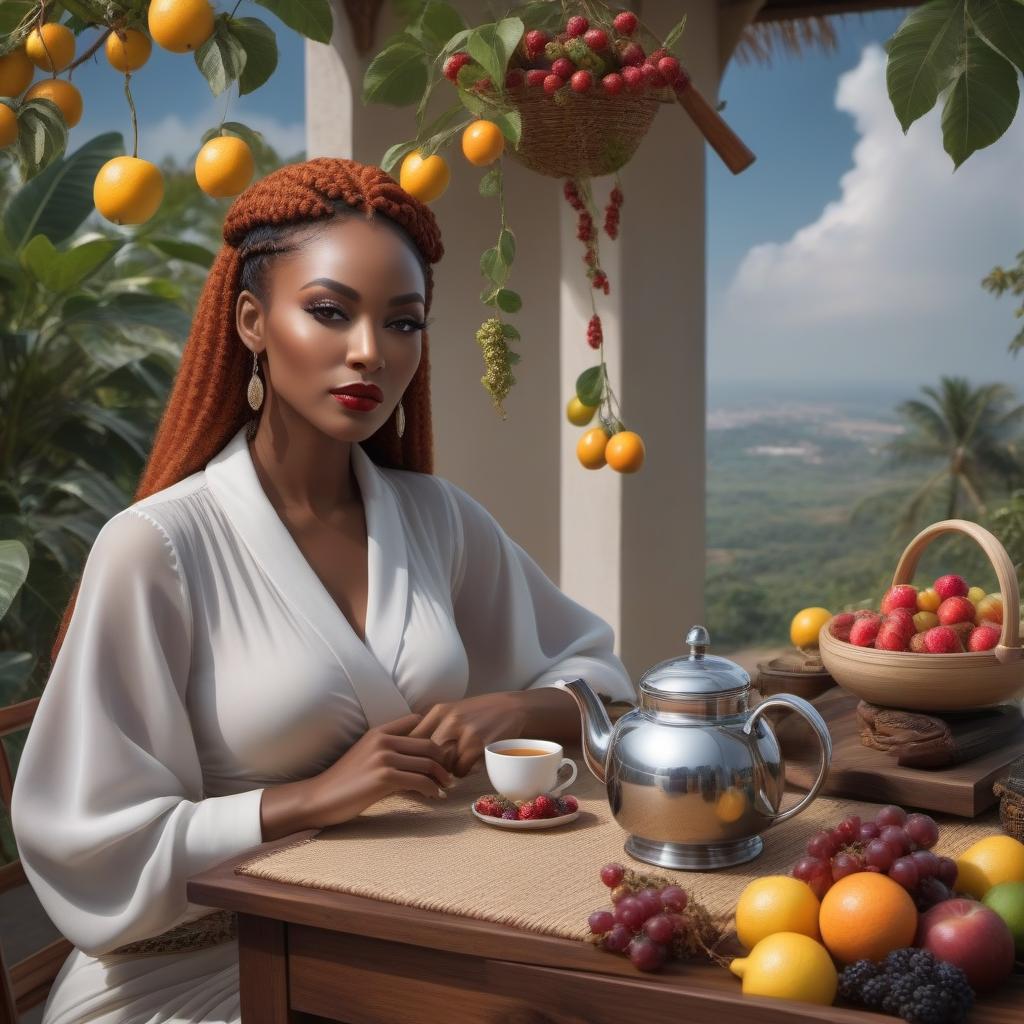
(817,723)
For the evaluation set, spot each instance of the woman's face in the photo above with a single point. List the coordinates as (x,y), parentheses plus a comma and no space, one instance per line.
(346,307)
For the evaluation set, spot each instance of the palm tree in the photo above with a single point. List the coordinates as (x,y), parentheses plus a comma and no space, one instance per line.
(973,434)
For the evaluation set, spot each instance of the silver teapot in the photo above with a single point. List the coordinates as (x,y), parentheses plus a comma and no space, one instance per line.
(693,774)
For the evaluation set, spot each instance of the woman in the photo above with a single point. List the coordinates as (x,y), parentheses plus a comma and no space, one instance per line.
(291,622)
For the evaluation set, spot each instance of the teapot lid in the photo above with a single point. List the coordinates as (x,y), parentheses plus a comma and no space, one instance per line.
(697,675)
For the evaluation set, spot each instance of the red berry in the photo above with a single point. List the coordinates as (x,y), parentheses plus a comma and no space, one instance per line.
(576,26)
(942,640)
(612,874)
(984,638)
(544,806)
(652,76)
(657,54)
(596,39)
(571,805)
(582,81)
(840,626)
(514,78)
(950,586)
(956,609)
(669,67)
(536,76)
(552,83)
(631,55)
(613,84)
(528,812)
(901,596)
(563,67)
(633,77)
(625,23)
(535,42)
(453,63)
(864,631)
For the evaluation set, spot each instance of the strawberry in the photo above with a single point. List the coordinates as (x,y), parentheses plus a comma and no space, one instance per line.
(840,625)
(942,640)
(527,811)
(581,81)
(951,586)
(892,637)
(864,631)
(552,83)
(596,39)
(570,804)
(625,23)
(576,26)
(984,638)
(956,609)
(903,619)
(536,76)
(453,63)
(613,84)
(901,596)
(917,644)
(544,806)
(536,40)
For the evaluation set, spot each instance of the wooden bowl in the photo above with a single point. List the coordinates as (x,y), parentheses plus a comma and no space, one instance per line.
(937,682)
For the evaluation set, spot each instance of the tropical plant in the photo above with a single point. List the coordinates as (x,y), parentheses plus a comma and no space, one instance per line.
(1001,280)
(969,440)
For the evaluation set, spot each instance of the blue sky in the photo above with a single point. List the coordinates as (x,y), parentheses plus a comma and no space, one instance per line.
(848,251)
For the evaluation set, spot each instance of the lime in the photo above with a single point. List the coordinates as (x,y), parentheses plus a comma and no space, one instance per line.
(1007,900)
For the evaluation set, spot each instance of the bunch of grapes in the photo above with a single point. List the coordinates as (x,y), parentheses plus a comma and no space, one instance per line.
(651,921)
(895,843)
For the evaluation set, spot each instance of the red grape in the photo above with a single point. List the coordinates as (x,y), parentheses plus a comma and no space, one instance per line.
(646,954)
(630,912)
(816,873)
(844,864)
(612,875)
(927,863)
(878,854)
(673,898)
(650,900)
(848,829)
(660,928)
(868,831)
(922,830)
(947,871)
(890,815)
(601,921)
(904,871)
(896,839)
(620,892)
(618,938)
(929,892)
(821,845)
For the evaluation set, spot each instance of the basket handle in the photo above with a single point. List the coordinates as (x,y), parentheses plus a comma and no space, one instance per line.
(722,139)
(1008,648)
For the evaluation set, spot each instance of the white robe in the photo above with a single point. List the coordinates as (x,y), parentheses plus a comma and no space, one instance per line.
(205,660)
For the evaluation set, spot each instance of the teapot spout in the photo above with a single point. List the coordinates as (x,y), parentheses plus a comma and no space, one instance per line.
(596,725)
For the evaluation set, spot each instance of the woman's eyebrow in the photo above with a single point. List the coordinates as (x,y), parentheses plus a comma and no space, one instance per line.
(344,289)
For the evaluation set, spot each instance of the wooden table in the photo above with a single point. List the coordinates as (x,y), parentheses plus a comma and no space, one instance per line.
(307,955)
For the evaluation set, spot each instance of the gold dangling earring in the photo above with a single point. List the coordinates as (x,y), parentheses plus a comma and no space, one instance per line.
(400,420)
(254,394)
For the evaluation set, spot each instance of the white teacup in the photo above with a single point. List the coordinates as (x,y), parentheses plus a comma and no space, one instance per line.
(522,776)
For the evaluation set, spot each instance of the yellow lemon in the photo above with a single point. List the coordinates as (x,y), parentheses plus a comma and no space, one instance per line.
(224,166)
(776,903)
(51,47)
(64,94)
(989,862)
(180,25)
(128,190)
(578,414)
(16,71)
(127,50)
(8,125)
(423,179)
(806,624)
(788,965)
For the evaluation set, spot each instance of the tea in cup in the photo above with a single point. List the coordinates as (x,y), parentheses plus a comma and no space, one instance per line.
(521,769)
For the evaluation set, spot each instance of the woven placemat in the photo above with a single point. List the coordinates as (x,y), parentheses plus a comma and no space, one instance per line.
(434,854)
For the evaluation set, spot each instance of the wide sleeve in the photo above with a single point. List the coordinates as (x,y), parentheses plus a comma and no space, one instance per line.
(519,630)
(108,809)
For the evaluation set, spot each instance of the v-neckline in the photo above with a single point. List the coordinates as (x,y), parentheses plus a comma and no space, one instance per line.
(232,478)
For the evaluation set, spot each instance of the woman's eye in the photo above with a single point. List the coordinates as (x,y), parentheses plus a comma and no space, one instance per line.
(324,309)
(410,325)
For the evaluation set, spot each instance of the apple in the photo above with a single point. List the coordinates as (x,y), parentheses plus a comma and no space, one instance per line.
(970,935)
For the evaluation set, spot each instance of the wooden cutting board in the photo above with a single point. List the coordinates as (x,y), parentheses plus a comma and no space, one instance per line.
(860,772)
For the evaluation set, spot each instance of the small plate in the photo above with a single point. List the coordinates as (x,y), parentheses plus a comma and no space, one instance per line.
(562,819)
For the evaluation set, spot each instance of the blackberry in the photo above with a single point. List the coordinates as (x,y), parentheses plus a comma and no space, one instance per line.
(852,979)
(901,991)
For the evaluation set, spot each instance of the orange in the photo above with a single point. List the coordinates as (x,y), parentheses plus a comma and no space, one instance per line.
(776,903)
(180,25)
(16,71)
(51,47)
(866,915)
(423,179)
(625,451)
(64,94)
(224,166)
(591,448)
(482,142)
(578,414)
(127,49)
(8,125)
(128,190)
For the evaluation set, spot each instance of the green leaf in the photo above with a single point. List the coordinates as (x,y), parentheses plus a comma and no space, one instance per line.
(1001,24)
(493,267)
(62,271)
(249,135)
(397,76)
(260,45)
(310,18)
(12,13)
(395,154)
(508,300)
(511,125)
(13,571)
(510,333)
(130,308)
(491,46)
(179,250)
(221,59)
(507,246)
(79,10)
(42,136)
(490,183)
(436,25)
(56,202)
(431,146)
(982,103)
(922,57)
(93,490)
(675,33)
(15,668)
(590,386)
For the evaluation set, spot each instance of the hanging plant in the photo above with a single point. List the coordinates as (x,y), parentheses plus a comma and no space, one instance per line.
(567,88)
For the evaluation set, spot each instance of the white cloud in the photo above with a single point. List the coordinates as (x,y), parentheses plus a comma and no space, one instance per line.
(885,283)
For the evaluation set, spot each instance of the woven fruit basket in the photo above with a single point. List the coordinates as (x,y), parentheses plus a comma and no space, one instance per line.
(937,682)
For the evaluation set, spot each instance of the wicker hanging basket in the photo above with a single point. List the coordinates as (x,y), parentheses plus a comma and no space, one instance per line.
(588,135)
(1011,800)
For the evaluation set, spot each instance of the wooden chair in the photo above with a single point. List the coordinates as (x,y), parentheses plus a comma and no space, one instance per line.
(26,983)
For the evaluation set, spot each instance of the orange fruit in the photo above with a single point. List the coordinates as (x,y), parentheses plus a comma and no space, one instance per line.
(591,448)
(423,179)
(482,142)
(866,915)
(180,25)
(578,414)
(224,166)
(776,903)
(51,47)
(63,93)
(8,125)
(127,49)
(128,190)
(16,71)
(625,451)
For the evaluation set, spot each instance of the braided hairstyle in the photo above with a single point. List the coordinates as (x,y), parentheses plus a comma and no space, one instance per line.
(207,405)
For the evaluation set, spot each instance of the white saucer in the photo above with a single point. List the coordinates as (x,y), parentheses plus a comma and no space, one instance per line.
(562,819)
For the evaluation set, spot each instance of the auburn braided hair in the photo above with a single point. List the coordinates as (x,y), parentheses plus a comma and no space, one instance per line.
(207,405)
